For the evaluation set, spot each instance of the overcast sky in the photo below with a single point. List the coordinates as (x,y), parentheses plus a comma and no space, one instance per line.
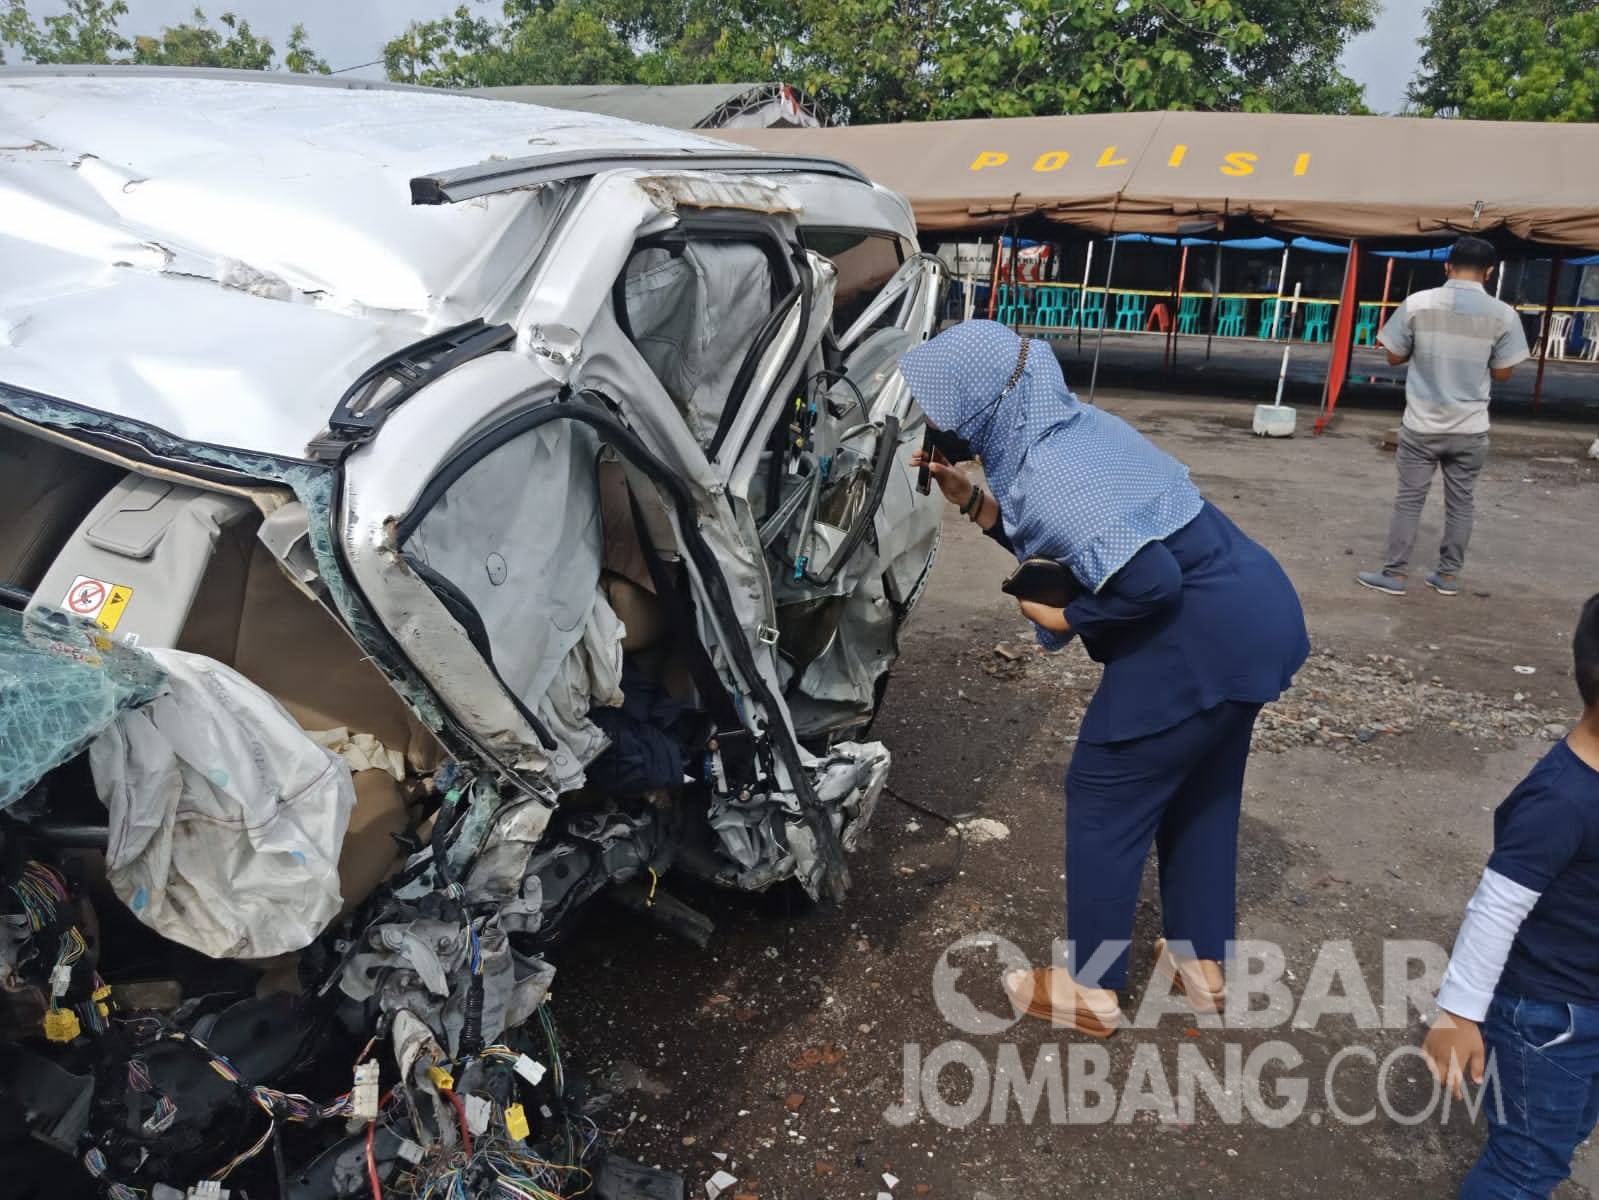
(351,32)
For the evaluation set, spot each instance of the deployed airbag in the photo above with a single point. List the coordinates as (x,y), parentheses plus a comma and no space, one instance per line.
(226,819)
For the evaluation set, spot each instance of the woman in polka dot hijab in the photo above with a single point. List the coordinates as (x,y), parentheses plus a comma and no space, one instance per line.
(1197,627)
(1074,483)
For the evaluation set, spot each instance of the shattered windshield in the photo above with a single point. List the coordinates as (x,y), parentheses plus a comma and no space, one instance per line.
(60,685)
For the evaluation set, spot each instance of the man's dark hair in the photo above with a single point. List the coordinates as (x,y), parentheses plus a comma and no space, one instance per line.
(1585,650)
(1472,253)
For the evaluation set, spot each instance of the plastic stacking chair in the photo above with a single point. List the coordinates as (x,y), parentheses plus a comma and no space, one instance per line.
(1366,325)
(1014,308)
(1590,333)
(1559,334)
(1268,320)
(1050,312)
(1130,312)
(1188,315)
(1091,311)
(1318,322)
(1070,298)
(1231,321)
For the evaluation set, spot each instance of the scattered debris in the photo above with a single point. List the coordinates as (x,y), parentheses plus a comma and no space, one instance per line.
(827,1054)
(979,830)
(719,1183)
(1520,670)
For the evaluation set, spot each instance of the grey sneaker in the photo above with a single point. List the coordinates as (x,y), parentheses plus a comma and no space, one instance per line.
(1382,581)
(1444,585)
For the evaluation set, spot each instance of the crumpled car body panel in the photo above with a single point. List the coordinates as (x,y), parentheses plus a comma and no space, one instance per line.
(591,570)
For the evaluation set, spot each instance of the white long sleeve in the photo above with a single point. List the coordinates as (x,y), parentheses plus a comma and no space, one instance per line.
(1495,913)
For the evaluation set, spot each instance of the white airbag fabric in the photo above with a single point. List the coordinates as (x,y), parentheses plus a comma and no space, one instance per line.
(226,818)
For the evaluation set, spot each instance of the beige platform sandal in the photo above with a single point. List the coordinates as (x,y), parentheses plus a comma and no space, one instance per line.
(1189,980)
(1031,993)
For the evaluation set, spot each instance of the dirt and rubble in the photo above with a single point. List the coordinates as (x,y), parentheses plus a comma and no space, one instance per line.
(776,1057)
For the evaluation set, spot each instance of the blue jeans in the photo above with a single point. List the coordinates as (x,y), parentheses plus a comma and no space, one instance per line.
(1547,1058)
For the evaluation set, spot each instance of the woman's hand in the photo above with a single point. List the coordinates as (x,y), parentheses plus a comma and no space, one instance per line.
(951,480)
(1045,617)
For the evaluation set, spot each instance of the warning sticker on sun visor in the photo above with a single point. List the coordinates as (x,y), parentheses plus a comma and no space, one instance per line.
(98,601)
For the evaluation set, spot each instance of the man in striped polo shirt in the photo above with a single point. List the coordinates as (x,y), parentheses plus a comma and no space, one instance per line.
(1455,338)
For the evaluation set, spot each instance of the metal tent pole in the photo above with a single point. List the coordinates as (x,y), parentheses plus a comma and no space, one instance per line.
(1088,264)
(1277,307)
(1215,303)
(1099,344)
(993,275)
(1168,354)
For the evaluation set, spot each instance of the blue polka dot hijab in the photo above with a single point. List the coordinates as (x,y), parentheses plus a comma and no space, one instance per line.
(1074,483)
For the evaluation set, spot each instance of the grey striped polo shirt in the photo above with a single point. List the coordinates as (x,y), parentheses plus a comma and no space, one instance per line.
(1453,335)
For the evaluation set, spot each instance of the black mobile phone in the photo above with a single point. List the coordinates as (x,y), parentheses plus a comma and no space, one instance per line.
(924,477)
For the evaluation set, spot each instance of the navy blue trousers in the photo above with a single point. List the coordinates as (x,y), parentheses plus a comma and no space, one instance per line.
(1179,789)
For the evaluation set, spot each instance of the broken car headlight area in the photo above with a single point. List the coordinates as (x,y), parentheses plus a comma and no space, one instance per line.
(296,799)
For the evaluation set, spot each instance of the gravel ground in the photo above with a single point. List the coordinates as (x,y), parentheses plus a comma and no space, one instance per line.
(779,1054)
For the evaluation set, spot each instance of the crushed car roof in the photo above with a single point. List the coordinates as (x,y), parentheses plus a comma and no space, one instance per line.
(219,257)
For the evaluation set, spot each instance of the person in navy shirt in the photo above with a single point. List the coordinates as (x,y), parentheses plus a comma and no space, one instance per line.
(1520,1000)
(1197,628)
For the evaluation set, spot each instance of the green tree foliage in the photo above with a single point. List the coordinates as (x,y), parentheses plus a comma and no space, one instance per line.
(198,43)
(299,58)
(87,33)
(894,60)
(1524,60)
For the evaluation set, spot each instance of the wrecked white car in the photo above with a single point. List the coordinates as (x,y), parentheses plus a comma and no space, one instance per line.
(417,514)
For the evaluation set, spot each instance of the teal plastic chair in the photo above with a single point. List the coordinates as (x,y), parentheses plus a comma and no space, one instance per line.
(1048,299)
(1091,310)
(1015,305)
(1318,322)
(1366,318)
(1234,313)
(1054,306)
(1268,321)
(1130,309)
(1188,315)
(1070,300)
(1005,309)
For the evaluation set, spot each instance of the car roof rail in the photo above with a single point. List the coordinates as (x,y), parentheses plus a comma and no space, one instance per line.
(503,175)
(391,381)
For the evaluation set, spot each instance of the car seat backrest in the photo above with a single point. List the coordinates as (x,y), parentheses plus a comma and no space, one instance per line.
(45,492)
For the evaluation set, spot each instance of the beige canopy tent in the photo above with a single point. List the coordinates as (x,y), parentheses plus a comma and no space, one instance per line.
(1345,177)
(1383,179)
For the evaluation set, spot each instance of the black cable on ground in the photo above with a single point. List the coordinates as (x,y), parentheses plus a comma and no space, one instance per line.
(960,836)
